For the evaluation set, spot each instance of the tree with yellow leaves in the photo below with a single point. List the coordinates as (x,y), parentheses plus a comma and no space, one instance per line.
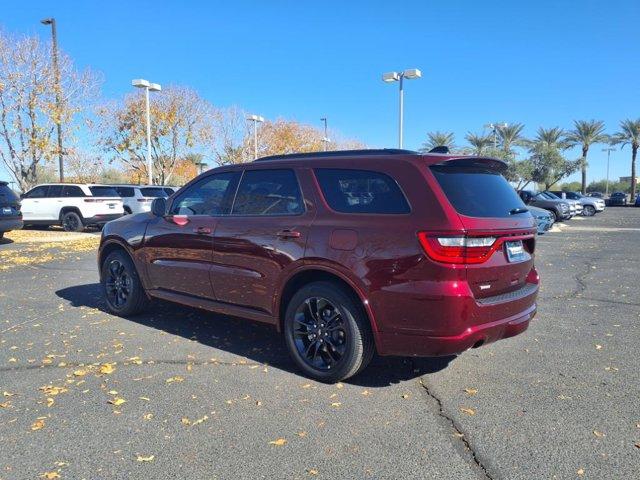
(181,123)
(28,110)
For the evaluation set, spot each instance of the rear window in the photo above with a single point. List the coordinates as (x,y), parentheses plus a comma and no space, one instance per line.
(361,191)
(478,192)
(7,196)
(153,192)
(103,192)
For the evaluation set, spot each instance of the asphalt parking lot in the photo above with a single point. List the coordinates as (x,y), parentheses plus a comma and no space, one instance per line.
(180,393)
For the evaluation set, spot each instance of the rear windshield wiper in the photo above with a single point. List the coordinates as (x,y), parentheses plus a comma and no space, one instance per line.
(517,210)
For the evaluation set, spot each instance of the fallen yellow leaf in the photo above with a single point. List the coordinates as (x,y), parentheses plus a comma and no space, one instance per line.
(471,391)
(468,411)
(336,404)
(312,471)
(365,393)
(279,442)
(598,434)
(177,378)
(50,475)
(50,402)
(50,390)
(107,368)
(80,373)
(580,471)
(5,405)
(142,458)
(117,401)
(37,425)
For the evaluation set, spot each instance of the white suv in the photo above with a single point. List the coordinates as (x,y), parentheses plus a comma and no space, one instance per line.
(138,198)
(74,206)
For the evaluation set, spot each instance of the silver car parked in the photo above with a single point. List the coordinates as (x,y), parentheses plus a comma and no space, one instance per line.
(590,205)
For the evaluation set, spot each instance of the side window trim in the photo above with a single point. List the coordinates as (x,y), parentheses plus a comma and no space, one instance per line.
(295,176)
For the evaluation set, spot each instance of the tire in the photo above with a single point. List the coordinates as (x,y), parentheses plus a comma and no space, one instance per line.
(588,211)
(554,216)
(325,320)
(127,211)
(121,286)
(1,235)
(72,222)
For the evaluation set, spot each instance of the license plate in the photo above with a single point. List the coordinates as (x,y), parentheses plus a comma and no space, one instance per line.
(6,210)
(515,251)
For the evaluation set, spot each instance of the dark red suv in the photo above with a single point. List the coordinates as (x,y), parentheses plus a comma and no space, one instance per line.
(346,253)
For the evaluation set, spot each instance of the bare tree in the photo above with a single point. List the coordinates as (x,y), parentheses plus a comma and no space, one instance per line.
(28,111)
(181,123)
(231,145)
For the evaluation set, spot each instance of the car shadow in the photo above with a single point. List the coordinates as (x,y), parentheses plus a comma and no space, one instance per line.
(5,241)
(257,342)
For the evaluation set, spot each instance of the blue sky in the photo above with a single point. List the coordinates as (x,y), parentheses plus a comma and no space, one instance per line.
(542,63)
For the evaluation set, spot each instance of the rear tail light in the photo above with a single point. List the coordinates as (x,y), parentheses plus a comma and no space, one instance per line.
(459,249)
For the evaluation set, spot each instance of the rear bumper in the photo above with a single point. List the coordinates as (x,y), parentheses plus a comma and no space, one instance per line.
(101,219)
(433,318)
(473,336)
(8,224)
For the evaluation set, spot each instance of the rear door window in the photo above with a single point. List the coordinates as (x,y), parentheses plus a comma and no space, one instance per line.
(72,191)
(475,191)
(361,191)
(268,192)
(55,191)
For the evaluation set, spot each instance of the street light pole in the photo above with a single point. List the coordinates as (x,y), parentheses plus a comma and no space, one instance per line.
(56,72)
(389,77)
(494,128)
(608,150)
(325,139)
(153,87)
(255,119)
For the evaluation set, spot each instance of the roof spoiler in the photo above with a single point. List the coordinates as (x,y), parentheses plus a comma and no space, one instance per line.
(486,163)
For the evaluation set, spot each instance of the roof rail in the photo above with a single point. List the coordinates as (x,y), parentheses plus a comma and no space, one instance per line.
(339,153)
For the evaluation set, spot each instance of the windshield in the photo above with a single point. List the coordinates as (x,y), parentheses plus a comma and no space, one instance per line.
(551,196)
(103,192)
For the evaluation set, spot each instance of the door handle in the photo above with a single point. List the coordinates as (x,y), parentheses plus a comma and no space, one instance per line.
(288,234)
(202,230)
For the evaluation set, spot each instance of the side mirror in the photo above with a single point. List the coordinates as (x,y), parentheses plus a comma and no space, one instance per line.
(159,207)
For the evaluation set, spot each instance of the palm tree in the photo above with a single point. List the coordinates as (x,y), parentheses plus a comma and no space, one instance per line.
(510,135)
(548,138)
(479,143)
(629,134)
(586,133)
(438,139)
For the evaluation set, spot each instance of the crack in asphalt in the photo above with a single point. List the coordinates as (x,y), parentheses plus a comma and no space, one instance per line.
(458,432)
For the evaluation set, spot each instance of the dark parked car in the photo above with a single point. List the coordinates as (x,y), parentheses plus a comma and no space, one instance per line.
(637,203)
(618,199)
(10,214)
(346,253)
(560,209)
(596,195)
